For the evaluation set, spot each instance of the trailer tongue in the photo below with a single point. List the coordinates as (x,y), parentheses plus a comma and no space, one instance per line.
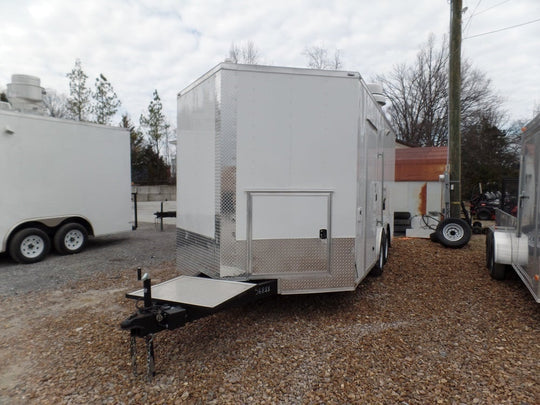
(173,303)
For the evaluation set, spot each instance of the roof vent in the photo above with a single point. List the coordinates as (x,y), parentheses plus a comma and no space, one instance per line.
(377,91)
(25,94)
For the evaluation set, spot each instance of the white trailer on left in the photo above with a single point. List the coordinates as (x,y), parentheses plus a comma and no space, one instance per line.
(60,180)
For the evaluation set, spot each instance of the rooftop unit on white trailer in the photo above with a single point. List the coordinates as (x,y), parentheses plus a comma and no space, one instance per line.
(283,187)
(61,180)
(515,241)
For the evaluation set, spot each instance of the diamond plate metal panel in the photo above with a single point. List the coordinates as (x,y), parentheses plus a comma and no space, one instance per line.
(196,254)
(342,275)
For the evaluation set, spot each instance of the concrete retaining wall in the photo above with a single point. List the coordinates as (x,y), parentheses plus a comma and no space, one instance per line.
(155,193)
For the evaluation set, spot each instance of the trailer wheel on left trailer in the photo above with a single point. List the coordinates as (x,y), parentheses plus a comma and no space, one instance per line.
(29,245)
(70,238)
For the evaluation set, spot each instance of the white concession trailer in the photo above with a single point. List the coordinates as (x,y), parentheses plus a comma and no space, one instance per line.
(283,188)
(60,180)
(283,174)
(515,241)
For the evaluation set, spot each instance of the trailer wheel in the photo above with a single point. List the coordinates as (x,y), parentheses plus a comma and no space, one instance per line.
(489,249)
(70,238)
(377,270)
(386,246)
(497,271)
(477,227)
(29,245)
(453,232)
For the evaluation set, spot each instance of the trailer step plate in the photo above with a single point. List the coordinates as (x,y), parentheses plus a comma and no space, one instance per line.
(199,292)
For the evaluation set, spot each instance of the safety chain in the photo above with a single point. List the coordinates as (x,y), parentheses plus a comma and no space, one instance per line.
(150,363)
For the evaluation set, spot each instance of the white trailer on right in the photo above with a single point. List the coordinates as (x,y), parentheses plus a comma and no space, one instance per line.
(515,241)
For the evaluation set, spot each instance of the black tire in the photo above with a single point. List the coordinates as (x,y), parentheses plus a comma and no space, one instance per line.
(483,214)
(433,237)
(29,245)
(497,271)
(477,228)
(70,238)
(387,244)
(377,270)
(489,250)
(453,232)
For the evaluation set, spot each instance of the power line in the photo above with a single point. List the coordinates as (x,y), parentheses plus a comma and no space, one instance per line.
(503,29)
(489,8)
(471,17)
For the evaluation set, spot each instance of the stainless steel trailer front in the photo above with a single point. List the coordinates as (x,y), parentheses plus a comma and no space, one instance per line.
(283,174)
(516,241)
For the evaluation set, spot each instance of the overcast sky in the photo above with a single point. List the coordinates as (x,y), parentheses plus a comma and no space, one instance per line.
(142,45)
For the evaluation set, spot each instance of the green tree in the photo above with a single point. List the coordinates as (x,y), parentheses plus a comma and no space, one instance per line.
(150,168)
(146,166)
(487,156)
(106,101)
(78,102)
(155,124)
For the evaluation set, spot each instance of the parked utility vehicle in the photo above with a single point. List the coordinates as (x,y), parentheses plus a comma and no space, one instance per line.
(61,180)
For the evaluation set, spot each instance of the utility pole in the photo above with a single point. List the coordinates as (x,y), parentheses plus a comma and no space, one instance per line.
(454,109)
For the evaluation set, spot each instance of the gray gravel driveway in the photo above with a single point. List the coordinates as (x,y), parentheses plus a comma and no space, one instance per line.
(145,247)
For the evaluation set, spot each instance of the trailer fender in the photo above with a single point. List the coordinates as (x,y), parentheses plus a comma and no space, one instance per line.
(508,248)
(378,245)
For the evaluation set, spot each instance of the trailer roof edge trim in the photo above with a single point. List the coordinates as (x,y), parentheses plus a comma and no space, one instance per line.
(65,121)
(271,69)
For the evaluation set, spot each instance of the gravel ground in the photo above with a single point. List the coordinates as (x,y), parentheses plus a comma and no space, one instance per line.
(145,247)
(433,329)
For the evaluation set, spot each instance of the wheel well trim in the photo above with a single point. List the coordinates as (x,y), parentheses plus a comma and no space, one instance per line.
(378,240)
(509,249)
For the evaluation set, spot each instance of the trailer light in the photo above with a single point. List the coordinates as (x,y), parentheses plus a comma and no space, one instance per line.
(536,277)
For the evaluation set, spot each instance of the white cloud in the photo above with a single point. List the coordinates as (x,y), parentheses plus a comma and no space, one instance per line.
(142,45)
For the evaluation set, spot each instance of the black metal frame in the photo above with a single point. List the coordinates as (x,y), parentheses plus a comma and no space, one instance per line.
(158,315)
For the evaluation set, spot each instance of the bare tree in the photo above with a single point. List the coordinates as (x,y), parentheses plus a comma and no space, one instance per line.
(248,53)
(234,53)
(318,58)
(55,104)
(419,97)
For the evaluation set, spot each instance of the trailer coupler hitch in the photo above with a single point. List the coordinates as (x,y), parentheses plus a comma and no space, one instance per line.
(148,320)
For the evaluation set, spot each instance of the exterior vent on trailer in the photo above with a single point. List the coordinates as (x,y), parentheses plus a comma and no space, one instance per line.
(377,91)
(26,95)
